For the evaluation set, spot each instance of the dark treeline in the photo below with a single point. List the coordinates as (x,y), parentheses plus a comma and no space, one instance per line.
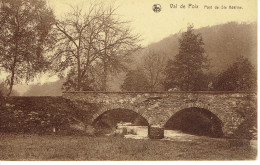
(225,61)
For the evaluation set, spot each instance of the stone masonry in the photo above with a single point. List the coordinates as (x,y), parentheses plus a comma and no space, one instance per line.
(158,107)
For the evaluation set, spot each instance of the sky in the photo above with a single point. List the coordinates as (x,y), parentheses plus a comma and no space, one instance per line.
(153,26)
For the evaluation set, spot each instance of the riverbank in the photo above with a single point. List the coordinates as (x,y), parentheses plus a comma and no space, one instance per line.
(57,147)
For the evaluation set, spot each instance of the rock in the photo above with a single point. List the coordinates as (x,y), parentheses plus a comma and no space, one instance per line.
(90,130)
(78,126)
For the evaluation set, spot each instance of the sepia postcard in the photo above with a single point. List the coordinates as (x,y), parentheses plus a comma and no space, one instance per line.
(128,80)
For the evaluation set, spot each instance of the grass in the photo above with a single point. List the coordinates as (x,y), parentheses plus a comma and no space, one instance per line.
(55,147)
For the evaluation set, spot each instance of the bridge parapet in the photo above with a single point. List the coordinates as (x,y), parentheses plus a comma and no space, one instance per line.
(103,97)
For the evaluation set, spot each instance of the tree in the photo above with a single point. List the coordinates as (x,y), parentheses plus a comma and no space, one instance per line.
(92,82)
(76,41)
(153,66)
(4,90)
(186,70)
(24,37)
(135,81)
(241,76)
(117,43)
(91,39)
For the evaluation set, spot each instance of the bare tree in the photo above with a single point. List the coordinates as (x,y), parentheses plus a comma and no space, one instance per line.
(92,39)
(76,39)
(116,44)
(24,29)
(154,66)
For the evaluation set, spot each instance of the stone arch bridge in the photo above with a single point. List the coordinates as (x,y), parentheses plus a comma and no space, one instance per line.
(158,107)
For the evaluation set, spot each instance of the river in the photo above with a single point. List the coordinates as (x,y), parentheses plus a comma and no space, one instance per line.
(141,132)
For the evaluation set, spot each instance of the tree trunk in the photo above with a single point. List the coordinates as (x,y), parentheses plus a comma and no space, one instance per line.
(79,79)
(14,64)
(79,72)
(104,81)
(12,76)
(11,84)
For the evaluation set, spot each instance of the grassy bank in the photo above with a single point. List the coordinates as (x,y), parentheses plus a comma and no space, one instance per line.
(54,147)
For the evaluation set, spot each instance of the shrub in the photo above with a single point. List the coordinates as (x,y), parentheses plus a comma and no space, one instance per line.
(247,129)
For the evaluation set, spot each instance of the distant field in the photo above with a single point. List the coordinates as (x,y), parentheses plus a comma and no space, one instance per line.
(54,147)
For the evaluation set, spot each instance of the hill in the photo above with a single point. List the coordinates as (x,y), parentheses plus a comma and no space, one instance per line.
(223,44)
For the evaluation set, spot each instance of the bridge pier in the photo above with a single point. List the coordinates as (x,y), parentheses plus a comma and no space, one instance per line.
(155,132)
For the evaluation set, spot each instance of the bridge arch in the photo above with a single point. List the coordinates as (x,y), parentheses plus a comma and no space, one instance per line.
(204,106)
(195,120)
(121,112)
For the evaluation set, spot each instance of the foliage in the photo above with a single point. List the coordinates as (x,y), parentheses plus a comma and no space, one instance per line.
(241,76)
(24,29)
(186,70)
(248,128)
(135,81)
